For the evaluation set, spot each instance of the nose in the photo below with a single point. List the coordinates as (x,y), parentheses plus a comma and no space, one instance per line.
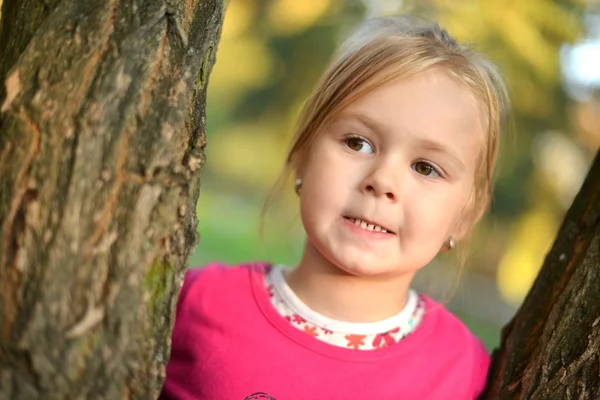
(384,180)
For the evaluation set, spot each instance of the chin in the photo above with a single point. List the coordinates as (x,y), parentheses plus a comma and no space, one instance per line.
(367,268)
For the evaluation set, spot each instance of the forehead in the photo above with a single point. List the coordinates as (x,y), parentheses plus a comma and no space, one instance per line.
(431,106)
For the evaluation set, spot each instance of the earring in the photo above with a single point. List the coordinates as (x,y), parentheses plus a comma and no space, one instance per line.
(450,244)
(298,186)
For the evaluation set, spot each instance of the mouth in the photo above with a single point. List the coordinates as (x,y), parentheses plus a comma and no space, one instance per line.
(369,225)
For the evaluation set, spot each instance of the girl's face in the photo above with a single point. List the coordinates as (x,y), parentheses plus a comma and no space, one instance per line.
(387,182)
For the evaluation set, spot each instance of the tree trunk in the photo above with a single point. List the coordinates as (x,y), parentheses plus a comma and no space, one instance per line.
(102,133)
(551,348)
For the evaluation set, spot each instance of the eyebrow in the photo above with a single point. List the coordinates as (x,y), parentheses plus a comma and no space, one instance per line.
(428,144)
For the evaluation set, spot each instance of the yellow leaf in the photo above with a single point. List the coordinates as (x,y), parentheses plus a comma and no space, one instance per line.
(287,17)
(530,242)
(238,18)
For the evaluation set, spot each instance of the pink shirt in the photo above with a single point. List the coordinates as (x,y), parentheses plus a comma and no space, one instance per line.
(229,342)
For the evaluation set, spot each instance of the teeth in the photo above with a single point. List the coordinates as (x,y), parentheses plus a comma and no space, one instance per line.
(367,226)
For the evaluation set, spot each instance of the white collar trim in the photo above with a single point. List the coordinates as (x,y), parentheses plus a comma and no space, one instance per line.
(357,328)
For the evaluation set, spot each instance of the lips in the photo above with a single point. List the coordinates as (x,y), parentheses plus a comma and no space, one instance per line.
(368,225)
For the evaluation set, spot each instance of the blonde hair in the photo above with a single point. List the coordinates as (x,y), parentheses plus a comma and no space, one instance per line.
(387,49)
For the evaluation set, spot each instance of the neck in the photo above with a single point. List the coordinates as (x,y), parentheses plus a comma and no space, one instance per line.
(332,292)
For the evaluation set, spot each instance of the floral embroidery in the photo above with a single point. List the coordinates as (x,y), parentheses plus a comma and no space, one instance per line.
(385,339)
(298,319)
(355,341)
(343,339)
(311,330)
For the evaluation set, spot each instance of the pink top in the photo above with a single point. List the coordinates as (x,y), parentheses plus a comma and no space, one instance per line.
(229,342)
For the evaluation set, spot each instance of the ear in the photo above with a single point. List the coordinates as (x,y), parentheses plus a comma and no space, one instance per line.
(463,228)
(472,213)
(298,163)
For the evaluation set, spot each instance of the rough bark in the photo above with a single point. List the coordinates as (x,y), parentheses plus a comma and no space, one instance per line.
(551,348)
(101,142)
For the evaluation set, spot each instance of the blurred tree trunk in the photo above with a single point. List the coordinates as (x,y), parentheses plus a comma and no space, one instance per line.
(102,122)
(551,348)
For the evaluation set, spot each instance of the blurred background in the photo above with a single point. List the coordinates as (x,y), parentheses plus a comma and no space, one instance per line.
(273,51)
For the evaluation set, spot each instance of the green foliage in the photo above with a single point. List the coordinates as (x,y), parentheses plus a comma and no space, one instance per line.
(273,51)
(259,102)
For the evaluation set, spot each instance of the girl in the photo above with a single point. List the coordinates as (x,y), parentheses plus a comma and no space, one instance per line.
(393,157)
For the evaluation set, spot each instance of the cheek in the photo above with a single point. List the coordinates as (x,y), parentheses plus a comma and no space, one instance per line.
(322,190)
(439,210)
(328,169)
(458,209)
(433,219)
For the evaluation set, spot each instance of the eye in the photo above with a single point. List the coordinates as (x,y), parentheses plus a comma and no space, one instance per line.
(359,145)
(425,169)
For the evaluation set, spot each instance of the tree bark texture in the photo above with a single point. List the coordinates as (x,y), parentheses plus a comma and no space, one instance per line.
(102,124)
(551,348)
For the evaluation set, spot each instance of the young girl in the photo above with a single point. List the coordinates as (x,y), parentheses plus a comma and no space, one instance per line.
(393,157)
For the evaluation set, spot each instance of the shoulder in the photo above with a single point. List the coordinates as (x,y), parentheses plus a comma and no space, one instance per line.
(214,292)
(214,305)
(447,323)
(219,276)
(456,340)
(217,286)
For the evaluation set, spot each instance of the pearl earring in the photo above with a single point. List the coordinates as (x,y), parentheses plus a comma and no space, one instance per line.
(450,244)
(298,186)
